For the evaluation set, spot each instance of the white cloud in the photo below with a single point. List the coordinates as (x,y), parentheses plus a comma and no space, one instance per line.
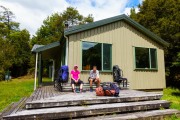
(128,9)
(31,13)
(102,9)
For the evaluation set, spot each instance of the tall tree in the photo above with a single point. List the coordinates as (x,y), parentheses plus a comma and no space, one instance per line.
(163,18)
(73,17)
(50,31)
(6,54)
(14,45)
(6,17)
(53,26)
(20,42)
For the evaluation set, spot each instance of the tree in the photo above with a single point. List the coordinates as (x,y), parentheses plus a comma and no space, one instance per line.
(53,26)
(6,55)
(20,42)
(87,19)
(50,31)
(163,18)
(73,17)
(6,17)
(14,45)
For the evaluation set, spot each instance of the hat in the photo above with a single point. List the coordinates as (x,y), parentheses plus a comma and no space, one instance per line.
(76,66)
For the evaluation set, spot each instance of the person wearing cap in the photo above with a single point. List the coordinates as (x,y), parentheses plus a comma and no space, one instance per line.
(75,78)
(94,77)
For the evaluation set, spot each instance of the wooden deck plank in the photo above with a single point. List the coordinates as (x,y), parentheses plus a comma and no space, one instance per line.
(145,115)
(20,106)
(81,111)
(36,94)
(43,92)
(47,92)
(89,98)
(39,95)
(14,107)
(32,96)
(51,91)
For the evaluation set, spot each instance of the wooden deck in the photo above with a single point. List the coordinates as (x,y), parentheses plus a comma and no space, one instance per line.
(40,93)
(48,103)
(44,92)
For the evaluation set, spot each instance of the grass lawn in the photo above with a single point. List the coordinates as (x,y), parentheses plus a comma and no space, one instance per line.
(172,95)
(14,90)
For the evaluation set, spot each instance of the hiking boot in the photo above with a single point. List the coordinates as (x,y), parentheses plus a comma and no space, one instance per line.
(91,90)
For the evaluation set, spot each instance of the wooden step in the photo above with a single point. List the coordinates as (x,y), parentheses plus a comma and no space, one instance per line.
(66,87)
(14,107)
(88,110)
(91,98)
(69,89)
(87,84)
(146,115)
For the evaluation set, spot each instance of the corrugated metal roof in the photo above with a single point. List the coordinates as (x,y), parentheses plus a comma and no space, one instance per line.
(35,47)
(40,48)
(127,19)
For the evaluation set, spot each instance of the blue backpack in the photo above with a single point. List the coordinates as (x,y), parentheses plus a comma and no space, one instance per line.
(64,73)
(116,88)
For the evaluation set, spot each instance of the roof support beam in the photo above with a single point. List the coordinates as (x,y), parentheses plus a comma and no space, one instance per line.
(40,69)
(35,77)
(67,50)
(53,69)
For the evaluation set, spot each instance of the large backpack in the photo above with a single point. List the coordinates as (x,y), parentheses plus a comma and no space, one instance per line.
(99,91)
(116,88)
(116,73)
(64,73)
(111,89)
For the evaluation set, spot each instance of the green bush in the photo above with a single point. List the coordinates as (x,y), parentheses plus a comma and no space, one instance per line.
(2,74)
(31,71)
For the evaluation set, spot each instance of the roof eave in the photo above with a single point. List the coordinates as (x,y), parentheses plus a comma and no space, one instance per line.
(114,19)
(46,47)
(146,31)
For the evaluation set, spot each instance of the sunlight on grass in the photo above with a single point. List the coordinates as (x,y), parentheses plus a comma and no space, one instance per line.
(14,90)
(172,95)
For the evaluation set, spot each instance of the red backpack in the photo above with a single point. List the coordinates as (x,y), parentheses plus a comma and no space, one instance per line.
(100,91)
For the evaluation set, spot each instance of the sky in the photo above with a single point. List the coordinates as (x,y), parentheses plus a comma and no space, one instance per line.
(31,13)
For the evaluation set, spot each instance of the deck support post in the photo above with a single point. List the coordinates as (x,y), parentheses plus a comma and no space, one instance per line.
(53,69)
(40,69)
(35,75)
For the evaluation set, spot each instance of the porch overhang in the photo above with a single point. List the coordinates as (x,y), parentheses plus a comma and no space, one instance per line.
(45,52)
(49,51)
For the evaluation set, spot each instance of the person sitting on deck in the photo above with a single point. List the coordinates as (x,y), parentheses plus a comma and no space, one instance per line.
(75,78)
(94,77)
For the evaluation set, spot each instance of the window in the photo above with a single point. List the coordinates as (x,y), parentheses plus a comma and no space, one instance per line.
(145,58)
(97,54)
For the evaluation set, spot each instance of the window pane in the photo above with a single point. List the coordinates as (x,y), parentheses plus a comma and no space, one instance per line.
(107,56)
(91,55)
(142,57)
(153,58)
